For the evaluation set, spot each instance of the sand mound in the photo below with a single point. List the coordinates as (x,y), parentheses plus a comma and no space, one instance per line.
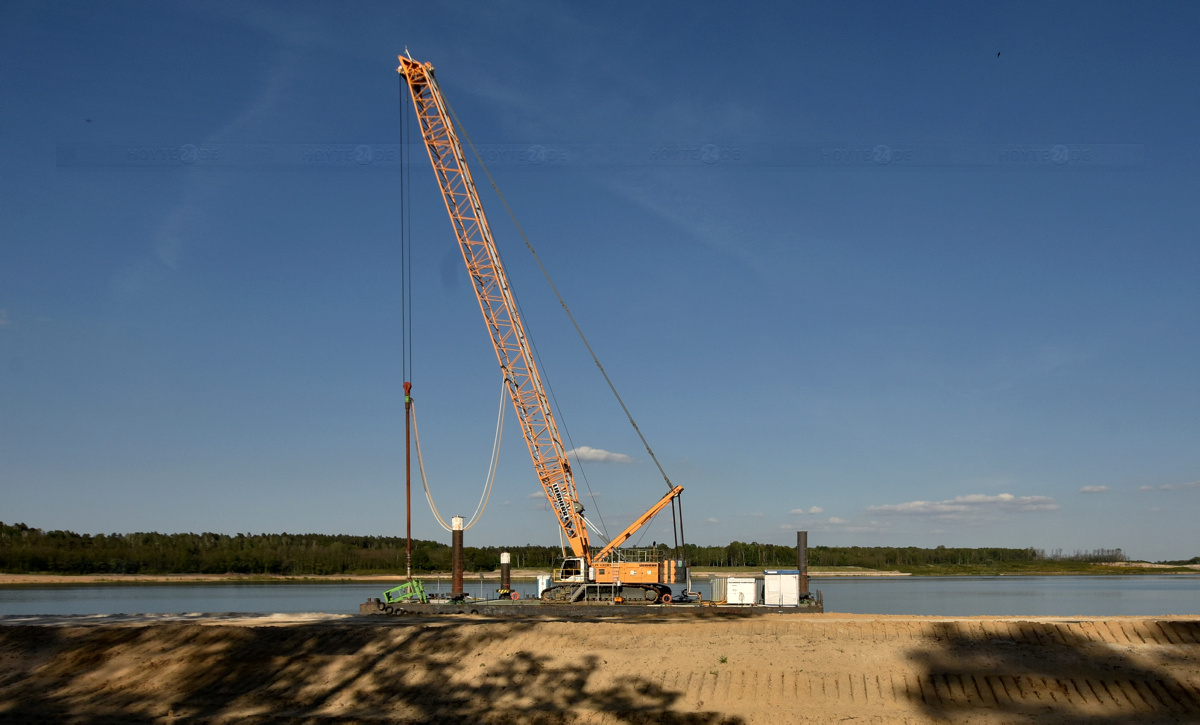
(817,668)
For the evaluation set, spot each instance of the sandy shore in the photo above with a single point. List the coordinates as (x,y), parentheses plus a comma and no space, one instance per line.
(1146,565)
(770,669)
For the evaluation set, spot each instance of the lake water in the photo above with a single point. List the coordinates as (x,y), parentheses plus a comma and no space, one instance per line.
(1088,596)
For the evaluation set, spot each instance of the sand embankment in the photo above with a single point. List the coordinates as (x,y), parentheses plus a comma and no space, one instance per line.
(799,669)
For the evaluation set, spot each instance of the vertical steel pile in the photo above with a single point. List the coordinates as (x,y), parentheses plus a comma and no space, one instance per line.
(802,560)
(456,558)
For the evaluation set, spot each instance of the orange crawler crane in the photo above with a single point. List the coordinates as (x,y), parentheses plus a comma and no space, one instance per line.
(607,574)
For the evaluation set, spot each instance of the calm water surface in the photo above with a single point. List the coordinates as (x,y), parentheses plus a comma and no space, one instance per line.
(952,596)
(1057,596)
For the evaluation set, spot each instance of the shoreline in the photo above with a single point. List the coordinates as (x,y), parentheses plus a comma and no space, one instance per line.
(517,574)
(14,580)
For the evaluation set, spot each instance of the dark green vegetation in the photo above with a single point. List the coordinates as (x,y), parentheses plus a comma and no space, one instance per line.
(908,559)
(940,561)
(1044,566)
(28,550)
(1180,562)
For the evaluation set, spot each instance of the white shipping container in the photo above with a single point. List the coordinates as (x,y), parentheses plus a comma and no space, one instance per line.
(781,588)
(737,590)
(744,590)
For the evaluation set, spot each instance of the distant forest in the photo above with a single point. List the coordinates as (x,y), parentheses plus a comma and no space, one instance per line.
(28,550)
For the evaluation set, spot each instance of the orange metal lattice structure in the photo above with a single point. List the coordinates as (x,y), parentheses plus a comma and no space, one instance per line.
(496,302)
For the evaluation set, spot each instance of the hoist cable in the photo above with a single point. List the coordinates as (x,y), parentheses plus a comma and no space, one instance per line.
(489,482)
(406,174)
(674,530)
(405,327)
(603,528)
(495,462)
(561,301)
(599,532)
(421,466)
(682,540)
(646,529)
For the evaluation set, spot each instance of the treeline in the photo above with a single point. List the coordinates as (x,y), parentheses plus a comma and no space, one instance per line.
(1095,556)
(755,555)
(27,550)
(1183,562)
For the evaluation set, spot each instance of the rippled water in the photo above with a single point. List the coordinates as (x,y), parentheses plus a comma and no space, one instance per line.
(954,596)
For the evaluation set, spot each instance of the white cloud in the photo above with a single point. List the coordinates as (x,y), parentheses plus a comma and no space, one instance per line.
(836,523)
(801,511)
(971,506)
(711,520)
(1171,486)
(587,453)
(536,494)
(1093,489)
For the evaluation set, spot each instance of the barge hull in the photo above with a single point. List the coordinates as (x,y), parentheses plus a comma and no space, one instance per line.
(535,608)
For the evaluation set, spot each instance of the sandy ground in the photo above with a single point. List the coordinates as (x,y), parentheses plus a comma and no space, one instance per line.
(767,668)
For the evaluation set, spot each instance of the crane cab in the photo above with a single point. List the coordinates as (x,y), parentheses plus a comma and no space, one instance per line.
(573,571)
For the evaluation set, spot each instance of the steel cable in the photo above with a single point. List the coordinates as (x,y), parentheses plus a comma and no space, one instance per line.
(561,301)
(493,465)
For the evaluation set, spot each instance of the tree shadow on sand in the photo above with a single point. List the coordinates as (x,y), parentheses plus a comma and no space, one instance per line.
(410,671)
(1076,673)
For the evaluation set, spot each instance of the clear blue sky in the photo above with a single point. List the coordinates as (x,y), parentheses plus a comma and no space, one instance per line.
(896,275)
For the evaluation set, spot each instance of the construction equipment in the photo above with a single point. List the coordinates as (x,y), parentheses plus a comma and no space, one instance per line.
(410,591)
(605,574)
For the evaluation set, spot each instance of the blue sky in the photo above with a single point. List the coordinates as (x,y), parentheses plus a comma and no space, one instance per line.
(911,275)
